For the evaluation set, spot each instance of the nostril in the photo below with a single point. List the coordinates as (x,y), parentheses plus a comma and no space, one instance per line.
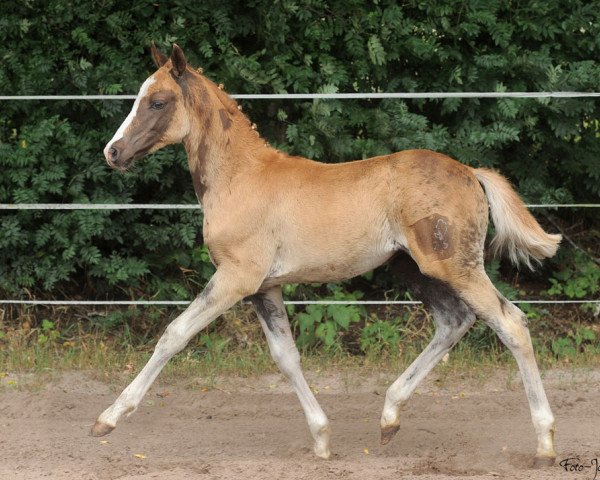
(113,153)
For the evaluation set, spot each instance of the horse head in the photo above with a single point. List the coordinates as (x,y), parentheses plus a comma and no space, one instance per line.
(158,117)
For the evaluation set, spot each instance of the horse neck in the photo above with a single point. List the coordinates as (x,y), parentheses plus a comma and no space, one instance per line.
(222,142)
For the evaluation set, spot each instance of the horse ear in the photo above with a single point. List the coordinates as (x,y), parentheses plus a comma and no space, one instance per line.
(159,58)
(178,60)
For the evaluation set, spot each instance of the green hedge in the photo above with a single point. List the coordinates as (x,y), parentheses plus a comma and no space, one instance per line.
(51,151)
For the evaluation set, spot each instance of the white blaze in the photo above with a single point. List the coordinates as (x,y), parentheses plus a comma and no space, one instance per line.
(119,133)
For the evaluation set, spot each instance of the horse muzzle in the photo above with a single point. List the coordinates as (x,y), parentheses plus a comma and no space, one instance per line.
(117,157)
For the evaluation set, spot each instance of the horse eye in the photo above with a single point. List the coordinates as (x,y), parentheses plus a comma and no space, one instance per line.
(157,105)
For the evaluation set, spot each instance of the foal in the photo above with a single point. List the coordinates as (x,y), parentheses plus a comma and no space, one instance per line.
(271,219)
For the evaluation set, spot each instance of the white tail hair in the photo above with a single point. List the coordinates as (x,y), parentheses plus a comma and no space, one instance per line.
(517,232)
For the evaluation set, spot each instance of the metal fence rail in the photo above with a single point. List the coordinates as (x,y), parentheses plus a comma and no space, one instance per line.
(332,96)
(287,302)
(185,206)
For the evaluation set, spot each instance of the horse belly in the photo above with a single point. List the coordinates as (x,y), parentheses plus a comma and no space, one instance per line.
(331,263)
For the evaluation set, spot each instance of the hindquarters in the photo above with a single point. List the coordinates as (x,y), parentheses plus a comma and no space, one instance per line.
(441,206)
(442,212)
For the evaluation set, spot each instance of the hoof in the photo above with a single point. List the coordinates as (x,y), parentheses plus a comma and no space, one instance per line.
(321,437)
(323,453)
(542,462)
(387,433)
(100,429)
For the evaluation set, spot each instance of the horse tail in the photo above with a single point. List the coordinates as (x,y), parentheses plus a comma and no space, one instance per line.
(517,232)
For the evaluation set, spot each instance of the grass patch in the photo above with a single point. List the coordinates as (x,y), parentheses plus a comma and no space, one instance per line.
(235,345)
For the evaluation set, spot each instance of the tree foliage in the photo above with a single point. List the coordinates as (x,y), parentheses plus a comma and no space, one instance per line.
(51,151)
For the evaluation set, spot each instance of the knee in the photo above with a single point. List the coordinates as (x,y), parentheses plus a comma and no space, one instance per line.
(171,342)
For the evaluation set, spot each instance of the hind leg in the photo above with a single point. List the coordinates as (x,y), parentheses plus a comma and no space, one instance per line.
(510,323)
(452,318)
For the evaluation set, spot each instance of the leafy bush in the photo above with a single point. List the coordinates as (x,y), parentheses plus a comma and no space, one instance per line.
(51,151)
(578,340)
(378,336)
(323,324)
(579,278)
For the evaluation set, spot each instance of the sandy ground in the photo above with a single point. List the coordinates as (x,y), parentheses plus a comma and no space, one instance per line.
(254,429)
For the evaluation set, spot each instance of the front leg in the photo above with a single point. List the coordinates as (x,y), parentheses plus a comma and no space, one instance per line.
(273,318)
(225,289)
